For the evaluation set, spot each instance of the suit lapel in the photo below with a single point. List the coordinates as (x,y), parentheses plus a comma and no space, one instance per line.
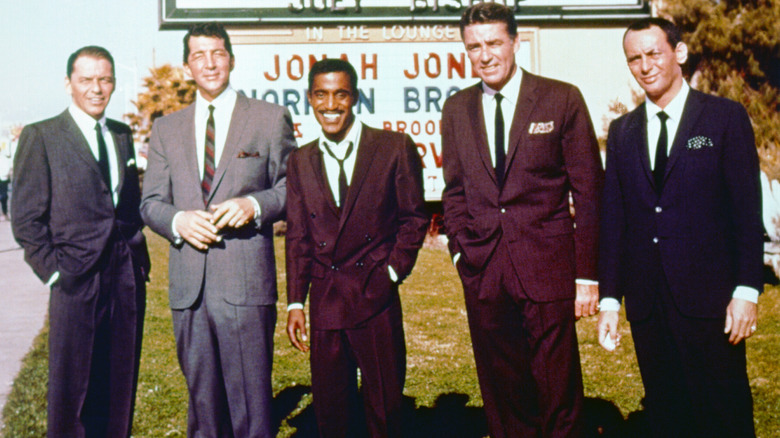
(479,140)
(691,112)
(238,121)
(637,129)
(366,150)
(188,147)
(526,101)
(317,169)
(73,135)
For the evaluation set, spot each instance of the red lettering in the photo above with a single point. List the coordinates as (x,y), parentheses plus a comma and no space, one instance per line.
(299,74)
(433,73)
(367,65)
(457,66)
(275,76)
(410,75)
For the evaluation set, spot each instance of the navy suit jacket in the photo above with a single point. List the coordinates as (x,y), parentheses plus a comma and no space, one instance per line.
(706,223)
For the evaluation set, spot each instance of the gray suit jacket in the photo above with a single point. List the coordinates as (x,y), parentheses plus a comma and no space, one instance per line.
(253,162)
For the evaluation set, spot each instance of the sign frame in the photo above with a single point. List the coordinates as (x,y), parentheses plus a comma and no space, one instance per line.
(174,14)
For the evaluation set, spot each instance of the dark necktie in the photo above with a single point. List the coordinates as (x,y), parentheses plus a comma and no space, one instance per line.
(103,156)
(499,144)
(208,157)
(660,154)
(342,174)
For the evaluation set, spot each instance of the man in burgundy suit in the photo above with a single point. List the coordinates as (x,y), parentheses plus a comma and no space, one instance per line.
(515,147)
(355,221)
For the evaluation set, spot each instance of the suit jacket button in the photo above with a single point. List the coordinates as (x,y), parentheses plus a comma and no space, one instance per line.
(334,268)
(313,215)
(503,210)
(655,240)
(359,264)
(323,244)
(368,238)
(658,209)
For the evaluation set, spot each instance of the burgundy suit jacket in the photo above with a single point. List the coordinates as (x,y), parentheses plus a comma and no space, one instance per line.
(544,164)
(343,255)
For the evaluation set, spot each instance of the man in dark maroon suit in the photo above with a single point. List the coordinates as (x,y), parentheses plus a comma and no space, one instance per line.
(515,147)
(355,221)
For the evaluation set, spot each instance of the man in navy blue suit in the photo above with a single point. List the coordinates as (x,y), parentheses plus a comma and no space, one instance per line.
(681,241)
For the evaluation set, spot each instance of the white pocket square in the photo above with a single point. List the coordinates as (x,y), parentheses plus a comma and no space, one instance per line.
(131,162)
(541,127)
(698,142)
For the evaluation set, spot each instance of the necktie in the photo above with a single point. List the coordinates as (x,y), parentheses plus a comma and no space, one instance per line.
(208,157)
(499,143)
(342,175)
(660,154)
(103,155)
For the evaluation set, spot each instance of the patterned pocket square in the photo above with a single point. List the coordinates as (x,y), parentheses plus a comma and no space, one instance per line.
(541,128)
(242,154)
(698,142)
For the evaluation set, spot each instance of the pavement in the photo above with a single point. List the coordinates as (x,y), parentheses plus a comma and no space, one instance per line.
(23,311)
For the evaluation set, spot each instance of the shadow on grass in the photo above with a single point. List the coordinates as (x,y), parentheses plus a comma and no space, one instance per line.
(451,417)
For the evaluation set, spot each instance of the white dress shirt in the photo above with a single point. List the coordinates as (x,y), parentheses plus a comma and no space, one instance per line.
(674,109)
(510,92)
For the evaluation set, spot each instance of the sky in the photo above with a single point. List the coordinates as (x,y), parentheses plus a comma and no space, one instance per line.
(37,36)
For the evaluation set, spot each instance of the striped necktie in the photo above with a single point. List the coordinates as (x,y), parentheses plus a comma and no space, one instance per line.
(208,157)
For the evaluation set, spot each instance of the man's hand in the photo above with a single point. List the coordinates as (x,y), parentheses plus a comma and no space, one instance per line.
(608,329)
(234,213)
(195,228)
(741,318)
(587,301)
(296,329)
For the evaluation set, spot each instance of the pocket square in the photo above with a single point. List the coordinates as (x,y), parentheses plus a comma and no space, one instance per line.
(541,127)
(698,142)
(243,154)
(131,162)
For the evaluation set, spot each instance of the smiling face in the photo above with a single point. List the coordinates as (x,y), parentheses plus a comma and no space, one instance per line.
(209,64)
(90,84)
(655,64)
(332,98)
(491,51)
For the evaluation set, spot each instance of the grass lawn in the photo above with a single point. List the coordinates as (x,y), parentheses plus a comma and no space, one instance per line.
(441,391)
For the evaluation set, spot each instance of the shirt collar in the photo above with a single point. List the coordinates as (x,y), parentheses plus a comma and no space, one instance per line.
(353,135)
(226,99)
(510,91)
(84,121)
(675,107)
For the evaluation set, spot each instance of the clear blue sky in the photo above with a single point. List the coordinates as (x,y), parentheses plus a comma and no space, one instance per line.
(37,36)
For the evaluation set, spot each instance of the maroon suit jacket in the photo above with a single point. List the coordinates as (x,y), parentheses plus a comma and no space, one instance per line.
(344,255)
(531,211)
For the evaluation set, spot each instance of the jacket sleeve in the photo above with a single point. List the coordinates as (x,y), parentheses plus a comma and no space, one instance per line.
(453,196)
(612,224)
(157,209)
(299,246)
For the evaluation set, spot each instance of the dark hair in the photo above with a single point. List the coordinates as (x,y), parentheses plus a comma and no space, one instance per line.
(331,65)
(482,13)
(93,51)
(672,32)
(212,29)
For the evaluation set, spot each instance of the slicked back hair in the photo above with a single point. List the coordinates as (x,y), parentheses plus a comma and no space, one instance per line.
(332,65)
(92,51)
(213,30)
(484,13)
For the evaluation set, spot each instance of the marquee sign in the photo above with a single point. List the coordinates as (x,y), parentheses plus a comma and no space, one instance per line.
(182,13)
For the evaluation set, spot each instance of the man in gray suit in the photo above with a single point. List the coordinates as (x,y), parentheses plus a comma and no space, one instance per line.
(215,184)
(75,205)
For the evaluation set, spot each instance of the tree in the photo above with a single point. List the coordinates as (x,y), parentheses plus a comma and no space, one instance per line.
(167,90)
(734,52)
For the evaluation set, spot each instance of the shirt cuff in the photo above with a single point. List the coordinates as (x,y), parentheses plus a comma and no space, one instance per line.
(609,305)
(393,275)
(587,282)
(746,293)
(53,279)
(177,239)
(256,205)
(295,306)
(455,259)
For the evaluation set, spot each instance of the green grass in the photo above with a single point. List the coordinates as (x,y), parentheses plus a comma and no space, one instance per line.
(442,393)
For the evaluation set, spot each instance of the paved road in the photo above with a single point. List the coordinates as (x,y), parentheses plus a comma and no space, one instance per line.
(22,312)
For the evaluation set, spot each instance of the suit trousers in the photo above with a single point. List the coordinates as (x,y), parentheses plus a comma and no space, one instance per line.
(95,328)
(526,354)
(378,348)
(696,383)
(226,355)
